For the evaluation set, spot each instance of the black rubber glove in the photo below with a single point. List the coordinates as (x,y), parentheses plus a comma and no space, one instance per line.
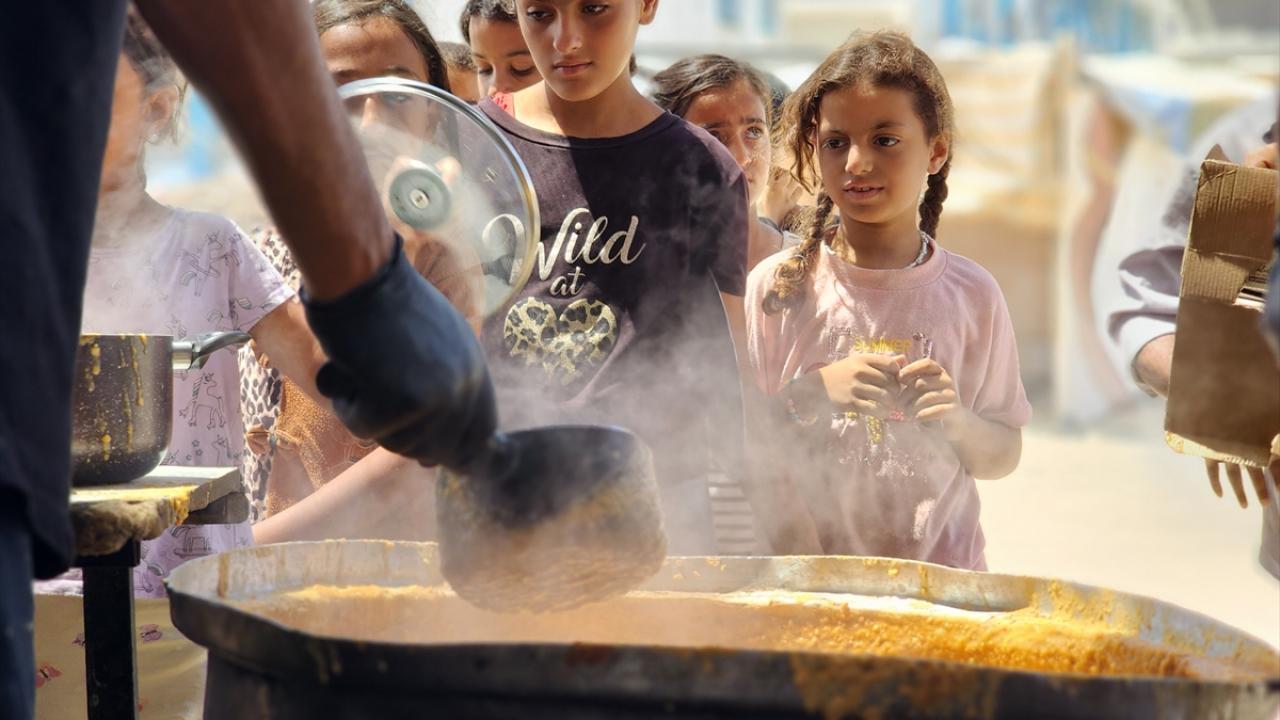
(404,368)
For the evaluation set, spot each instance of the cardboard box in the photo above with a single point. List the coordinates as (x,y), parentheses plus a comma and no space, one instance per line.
(1224,392)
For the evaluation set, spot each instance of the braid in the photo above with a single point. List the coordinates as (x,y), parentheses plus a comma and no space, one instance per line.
(788,289)
(931,207)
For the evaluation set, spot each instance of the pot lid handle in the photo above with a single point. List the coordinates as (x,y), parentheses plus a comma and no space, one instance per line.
(192,354)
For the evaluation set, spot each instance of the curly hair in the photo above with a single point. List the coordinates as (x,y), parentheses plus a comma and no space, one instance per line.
(880,60)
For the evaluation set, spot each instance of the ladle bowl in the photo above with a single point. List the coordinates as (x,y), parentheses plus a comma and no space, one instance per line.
(564,515)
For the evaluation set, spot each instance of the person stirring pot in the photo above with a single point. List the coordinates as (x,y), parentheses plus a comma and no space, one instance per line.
(430,399)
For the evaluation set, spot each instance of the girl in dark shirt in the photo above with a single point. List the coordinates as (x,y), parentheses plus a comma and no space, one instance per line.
(639,275)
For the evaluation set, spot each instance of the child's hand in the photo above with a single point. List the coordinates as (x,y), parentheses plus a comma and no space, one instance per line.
(929,394)
(442,255)
(865,382)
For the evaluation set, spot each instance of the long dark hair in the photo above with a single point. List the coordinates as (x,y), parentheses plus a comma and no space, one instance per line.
(881,60)
(154,65)
(500,10)
(675,88)
(329,14)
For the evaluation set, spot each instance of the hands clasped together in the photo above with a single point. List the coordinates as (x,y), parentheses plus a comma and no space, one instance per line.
(890,388)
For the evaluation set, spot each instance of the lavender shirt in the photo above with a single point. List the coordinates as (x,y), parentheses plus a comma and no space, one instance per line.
(199,273)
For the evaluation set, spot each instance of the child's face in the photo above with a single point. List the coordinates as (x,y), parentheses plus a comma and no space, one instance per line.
(377,48)
(464,83)
(580,47)
(503,62)
(138,116)
(735,115)
(127,133)
(874,155)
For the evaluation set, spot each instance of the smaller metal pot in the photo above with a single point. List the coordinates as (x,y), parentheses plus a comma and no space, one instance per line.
(122,401)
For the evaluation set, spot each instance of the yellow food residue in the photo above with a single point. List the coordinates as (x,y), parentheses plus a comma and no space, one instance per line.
(94,368)
(128,422)
(830,624)
(177,497)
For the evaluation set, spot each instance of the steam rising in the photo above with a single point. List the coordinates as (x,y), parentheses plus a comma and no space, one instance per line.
(690,377)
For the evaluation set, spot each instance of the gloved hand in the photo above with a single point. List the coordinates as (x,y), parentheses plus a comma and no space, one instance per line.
(404,368)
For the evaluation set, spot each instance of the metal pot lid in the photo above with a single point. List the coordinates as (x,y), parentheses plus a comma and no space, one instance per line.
(452,186)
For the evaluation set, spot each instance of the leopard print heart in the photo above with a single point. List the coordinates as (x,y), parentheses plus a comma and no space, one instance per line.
(564,345)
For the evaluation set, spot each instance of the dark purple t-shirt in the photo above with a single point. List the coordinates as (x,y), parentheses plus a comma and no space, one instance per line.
(621,321)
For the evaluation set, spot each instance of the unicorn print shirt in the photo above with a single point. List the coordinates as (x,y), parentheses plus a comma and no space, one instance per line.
(200,273)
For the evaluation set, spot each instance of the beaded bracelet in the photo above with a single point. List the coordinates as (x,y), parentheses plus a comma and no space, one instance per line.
(793,411)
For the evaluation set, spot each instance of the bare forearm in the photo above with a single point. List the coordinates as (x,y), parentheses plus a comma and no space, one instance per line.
(288,345)
(1153,365)
(259,64)
(807,395)
(988,450)
(361,502)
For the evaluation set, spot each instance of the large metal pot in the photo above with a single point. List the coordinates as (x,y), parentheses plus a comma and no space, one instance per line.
(260,668)
(122,401)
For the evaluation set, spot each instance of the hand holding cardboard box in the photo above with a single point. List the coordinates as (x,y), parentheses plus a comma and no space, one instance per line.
(1224,396)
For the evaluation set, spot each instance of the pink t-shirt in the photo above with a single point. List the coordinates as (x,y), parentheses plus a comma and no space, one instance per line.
(892,488)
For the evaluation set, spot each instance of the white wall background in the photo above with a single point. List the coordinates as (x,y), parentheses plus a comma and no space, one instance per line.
(441,17)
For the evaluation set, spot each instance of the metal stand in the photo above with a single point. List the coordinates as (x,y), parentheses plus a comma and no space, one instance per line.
(110,657)
(214,496)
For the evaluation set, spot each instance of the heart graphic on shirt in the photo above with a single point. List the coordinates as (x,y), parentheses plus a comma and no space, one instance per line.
(564,345)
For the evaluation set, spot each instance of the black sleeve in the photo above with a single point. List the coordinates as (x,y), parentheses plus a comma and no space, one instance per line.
(720,228)
(57,76)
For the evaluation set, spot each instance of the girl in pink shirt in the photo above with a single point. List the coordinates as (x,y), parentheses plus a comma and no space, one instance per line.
(888,364)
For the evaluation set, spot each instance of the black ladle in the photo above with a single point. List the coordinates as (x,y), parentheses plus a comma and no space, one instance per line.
(551,518)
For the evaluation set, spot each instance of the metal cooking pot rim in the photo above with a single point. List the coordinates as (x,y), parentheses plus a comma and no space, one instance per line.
(994,592)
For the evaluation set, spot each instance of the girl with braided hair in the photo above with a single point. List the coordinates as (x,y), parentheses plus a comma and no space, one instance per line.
(887,362)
